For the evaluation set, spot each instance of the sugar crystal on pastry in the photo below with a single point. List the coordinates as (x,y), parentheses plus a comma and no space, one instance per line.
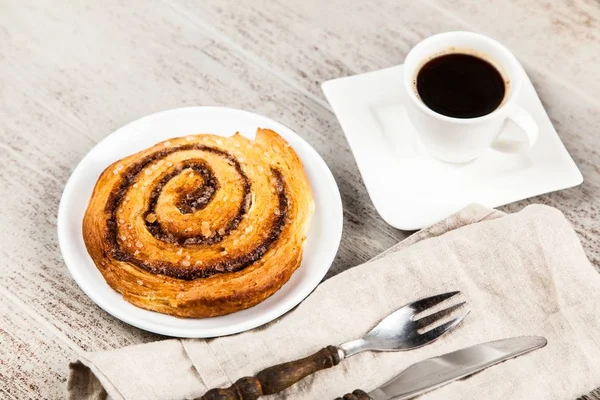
(239,209)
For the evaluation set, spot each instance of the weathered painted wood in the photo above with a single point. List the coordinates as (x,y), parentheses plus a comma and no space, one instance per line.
(39,151)
(33,362)
(319,40)
(36,155)
(73,72)
(322,40)
(558,38)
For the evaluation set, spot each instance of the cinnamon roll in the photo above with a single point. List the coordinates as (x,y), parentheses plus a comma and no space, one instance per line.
(202,225)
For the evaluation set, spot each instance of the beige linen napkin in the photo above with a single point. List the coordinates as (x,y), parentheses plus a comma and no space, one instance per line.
(522,274)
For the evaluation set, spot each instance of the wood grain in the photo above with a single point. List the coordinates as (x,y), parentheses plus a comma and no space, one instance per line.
(37,154)
(33,363)
(344,40)
(277,378)
(559,39)
(355,395)
(72,72)
(65,119)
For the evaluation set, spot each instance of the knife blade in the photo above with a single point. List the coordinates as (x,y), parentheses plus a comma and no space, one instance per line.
(438,371)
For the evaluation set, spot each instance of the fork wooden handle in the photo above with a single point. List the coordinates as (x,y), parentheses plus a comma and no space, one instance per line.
(356,395)
(277,378)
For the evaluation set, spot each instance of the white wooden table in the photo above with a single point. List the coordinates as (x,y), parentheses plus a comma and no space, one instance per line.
(71,72)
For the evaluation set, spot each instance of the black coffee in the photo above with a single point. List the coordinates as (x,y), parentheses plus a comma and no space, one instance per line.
(460,86)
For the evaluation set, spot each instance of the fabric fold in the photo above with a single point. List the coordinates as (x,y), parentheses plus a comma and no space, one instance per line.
(521,274)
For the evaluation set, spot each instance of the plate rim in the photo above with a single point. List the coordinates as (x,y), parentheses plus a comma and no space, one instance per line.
(194,332)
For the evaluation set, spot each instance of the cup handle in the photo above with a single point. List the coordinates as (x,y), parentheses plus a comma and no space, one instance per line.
(526,124)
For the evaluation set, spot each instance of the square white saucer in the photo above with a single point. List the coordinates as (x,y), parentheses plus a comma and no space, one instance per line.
(409,188)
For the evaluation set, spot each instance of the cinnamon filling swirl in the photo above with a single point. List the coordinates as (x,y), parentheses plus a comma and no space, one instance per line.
(189,203)
(200,225)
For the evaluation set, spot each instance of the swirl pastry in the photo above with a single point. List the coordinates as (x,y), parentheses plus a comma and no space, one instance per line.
(201,225)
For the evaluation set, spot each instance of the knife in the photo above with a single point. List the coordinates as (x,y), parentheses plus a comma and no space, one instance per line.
(438,371)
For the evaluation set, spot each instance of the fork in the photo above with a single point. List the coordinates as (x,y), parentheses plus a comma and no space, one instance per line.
(401,330)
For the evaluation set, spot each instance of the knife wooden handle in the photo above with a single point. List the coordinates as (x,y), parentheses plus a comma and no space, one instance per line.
(277,378)
(356,395)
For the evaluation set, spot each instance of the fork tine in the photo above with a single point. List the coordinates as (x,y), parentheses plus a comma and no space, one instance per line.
(438,331)
(430,319)
(428,302)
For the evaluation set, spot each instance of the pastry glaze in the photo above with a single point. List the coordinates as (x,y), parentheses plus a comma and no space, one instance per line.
(202,225)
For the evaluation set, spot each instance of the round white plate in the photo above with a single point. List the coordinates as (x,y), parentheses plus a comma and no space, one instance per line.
(321,246)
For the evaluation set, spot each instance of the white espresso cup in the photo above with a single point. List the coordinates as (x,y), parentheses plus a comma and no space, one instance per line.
(460,140)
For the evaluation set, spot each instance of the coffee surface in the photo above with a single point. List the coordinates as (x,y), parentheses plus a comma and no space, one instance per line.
(460,85)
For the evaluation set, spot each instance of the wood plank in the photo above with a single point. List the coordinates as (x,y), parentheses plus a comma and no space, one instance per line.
(314,41)
(557,38)
(33,363)
(176,65)
(36,156)
(322,40)
(73,72)
(317,40)
(65,87)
